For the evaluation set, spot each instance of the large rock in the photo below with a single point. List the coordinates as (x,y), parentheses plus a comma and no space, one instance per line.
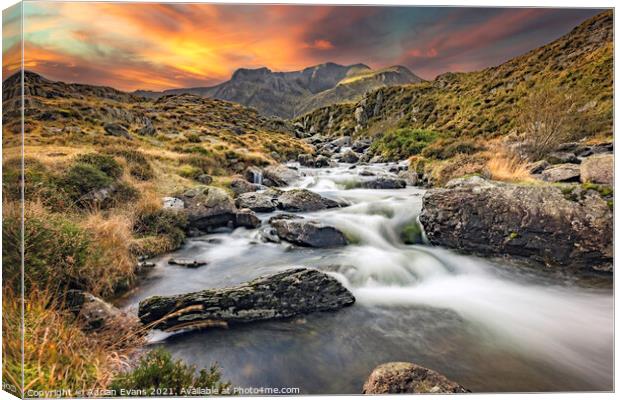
(308,233)
(385,183)
(404,377)
(304,200)
(549,224)
(279,175)
(247,219)
(114,129)
(598,169)
(306,160)
(282,295)
(208,207)
(350,157)
(561,173)
(410,177)
(240,186)
(256,201)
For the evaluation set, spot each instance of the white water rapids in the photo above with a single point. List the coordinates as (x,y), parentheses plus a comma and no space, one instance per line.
(491,325)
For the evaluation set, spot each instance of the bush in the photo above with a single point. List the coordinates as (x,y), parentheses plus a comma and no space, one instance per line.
(549,117)
(102,162)
(82,179)
(139,166)
(403,143)
(157,370)
(189,171)
(162,223)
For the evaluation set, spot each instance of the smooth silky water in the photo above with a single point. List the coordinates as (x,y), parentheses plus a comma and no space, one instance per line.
(491,325)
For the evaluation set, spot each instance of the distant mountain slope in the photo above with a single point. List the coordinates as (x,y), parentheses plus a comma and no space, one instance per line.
(486,102)
(288,94)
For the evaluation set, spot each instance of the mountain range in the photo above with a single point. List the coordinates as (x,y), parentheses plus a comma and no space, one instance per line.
(294,93)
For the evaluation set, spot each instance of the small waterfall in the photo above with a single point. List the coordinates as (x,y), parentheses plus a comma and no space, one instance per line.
(258,177)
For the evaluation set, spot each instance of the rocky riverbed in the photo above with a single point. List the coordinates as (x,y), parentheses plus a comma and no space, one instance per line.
(498,323)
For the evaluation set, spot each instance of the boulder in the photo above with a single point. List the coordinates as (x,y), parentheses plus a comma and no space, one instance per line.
(360,146)
(410,177)
(186,262)
(256,201)
(561,173)
(384,183)
(302,200)
(240,186)
(204,179)
(247,219)
(404,377)
(173,203)
(148,129)
(598,169)
(308,233)
(279,175)
(321,162)
(208,208)
(95,313)
(285,294)
(306,160)
(350,157)
(547,224)
(114,129)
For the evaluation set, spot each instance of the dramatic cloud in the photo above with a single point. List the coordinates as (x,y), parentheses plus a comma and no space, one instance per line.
(159,46)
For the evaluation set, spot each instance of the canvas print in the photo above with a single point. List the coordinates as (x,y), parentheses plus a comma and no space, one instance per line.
(230,199)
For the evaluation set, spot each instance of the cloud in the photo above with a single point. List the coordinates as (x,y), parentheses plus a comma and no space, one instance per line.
(161,46)
(320,44)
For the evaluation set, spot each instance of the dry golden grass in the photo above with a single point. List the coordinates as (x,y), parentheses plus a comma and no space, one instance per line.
(57,352)
(113,238)
(507,168)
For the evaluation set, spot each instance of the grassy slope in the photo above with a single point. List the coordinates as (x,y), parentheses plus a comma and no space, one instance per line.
(485,103)
(70,245)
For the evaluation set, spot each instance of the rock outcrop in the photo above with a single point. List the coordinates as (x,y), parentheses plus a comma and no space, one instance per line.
(561,173)
(308,233)
(549,224)
(282,295)
(404,377)
(256,201)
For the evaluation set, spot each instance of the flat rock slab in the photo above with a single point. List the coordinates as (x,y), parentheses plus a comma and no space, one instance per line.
(404,377)
(282,295)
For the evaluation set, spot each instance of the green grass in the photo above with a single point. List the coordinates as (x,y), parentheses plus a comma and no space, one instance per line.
(157,371)
(403,143)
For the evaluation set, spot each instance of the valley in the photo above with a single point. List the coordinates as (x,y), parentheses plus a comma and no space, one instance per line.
(464,224)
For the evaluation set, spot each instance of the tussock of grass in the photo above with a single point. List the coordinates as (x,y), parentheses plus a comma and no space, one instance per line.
(502,167)
(57,352)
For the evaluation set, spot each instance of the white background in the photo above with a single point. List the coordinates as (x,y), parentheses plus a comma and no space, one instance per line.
(494,3)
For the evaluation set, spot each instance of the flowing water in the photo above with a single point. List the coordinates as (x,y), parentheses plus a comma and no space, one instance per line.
(491,325)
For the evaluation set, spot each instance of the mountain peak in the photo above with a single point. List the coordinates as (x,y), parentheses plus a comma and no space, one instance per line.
(250,73)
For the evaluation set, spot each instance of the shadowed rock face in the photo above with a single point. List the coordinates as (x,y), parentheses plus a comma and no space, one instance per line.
(539,222)
(281,295)
(404,377)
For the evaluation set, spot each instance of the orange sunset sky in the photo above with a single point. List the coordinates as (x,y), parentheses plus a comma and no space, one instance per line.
(159,46)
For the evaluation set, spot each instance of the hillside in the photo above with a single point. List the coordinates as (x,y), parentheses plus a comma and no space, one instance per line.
(487,103)
(289,94)
(60,113)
